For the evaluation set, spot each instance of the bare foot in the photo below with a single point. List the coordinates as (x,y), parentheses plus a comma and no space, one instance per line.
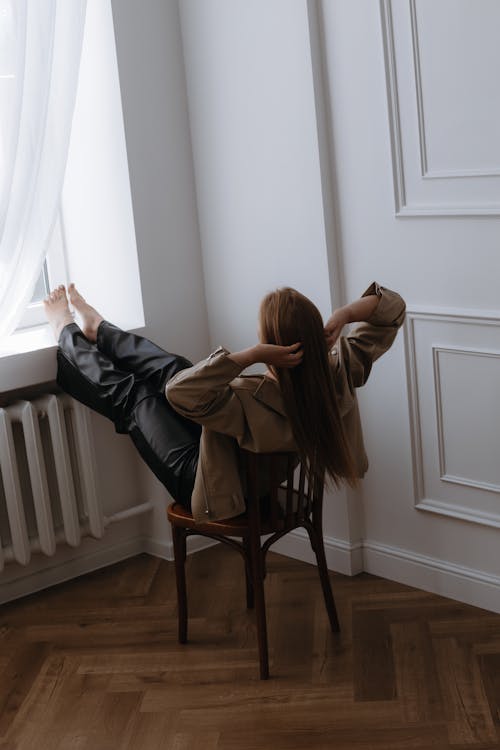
(57,310)
(90,317)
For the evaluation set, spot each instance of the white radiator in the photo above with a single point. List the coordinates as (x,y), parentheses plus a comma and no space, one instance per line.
(47,489)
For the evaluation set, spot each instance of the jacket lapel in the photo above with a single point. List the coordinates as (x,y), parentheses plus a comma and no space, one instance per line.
(268,393)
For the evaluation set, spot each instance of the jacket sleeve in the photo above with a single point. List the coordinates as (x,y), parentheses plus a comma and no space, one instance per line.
(371,338)
(202,393)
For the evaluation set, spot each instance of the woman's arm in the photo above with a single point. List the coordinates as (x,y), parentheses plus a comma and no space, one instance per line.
(203,392)
(269,354)
(355,312)
(380,313)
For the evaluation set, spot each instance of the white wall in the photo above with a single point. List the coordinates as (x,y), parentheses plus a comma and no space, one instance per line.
(256,157)
(161,173)
(154,104)
(259,188)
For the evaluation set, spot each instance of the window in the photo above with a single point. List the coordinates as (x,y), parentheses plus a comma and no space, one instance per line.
(54,268)
(95,227)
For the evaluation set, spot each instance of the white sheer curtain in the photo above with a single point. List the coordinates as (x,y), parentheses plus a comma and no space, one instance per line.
(40,49)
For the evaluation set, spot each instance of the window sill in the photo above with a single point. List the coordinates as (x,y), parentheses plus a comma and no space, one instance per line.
(27,340)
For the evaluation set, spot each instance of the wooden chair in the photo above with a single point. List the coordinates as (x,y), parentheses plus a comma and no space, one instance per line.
(298,507)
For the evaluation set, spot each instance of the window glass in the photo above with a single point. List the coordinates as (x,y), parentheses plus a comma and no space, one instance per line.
(42,286)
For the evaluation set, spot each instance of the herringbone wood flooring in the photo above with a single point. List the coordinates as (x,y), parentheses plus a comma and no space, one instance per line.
(94,664)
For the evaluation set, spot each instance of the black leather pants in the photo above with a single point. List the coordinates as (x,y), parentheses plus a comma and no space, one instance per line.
(123,377)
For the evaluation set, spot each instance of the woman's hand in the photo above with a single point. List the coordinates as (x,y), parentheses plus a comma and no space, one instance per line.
(335,324)
(274,355)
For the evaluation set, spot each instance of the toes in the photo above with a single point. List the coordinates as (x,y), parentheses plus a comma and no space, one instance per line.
(56,295)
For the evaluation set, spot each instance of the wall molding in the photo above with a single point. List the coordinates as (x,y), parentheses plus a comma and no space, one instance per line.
(402,206)
(426,173)
(445,476)
(443,508)
(64,570)
(342,556)
(424,159)
(469,585)
(87,561)
(326,152)
(421,502)
(394,107)
(453,314)
(425,572)
(465,584)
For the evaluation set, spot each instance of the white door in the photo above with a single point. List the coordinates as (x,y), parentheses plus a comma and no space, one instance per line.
(411,87)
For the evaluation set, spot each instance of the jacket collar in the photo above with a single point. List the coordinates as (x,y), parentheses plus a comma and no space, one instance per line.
(268,393)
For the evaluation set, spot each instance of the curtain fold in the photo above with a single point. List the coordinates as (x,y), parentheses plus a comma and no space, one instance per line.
(39,77)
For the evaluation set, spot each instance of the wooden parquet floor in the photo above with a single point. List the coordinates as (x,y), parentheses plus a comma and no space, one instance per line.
(94,664)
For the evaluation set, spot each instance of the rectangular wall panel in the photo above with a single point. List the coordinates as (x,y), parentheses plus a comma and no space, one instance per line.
(442,61)
(454,393)
(468,416)
(458,94)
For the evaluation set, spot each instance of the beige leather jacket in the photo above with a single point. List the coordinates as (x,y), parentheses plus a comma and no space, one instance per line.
(248,410)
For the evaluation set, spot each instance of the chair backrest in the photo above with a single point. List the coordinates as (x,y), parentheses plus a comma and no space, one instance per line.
(292,497)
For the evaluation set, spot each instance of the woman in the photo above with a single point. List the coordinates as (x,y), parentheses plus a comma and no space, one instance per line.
(305,402)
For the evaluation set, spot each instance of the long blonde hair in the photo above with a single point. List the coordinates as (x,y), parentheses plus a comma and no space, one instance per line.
(308,390)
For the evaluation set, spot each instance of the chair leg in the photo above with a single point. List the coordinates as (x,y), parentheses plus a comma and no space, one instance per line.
(248,576)
(260,605)
(316,537)
(179,540)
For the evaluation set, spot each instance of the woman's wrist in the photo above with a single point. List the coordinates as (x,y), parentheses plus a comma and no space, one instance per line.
(273,355)
(246,357)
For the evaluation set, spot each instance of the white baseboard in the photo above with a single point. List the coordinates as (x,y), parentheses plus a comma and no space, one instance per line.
(458,582)
(87,561)
(475,587)
(468,585)
(64,570)
(341,556)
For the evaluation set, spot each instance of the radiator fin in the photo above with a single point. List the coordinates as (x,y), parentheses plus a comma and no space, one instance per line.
(47,487)
(38,476)
(63,470)
(12,489)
